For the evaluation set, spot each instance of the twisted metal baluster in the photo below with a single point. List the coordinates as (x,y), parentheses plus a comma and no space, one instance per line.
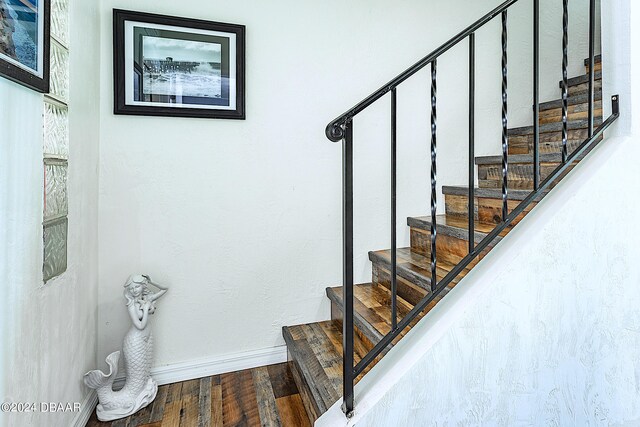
(505,138)
(565,81)
(434,206)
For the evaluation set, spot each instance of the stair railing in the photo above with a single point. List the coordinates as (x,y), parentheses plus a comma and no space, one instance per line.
(341,129)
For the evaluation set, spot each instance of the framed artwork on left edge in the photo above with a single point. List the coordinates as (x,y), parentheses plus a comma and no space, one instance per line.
(24,42)
(177,67)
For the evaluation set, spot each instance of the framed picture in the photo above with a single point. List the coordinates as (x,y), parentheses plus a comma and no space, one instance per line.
(178,67)
(24,42)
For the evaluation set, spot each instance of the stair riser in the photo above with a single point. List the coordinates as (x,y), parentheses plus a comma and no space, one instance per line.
(448,248)
(575,112)
(550,142)
(597,68)
(361,328)
(310,404)
(486,209)
(520,176)
(406,289)
(305,393)
(584,87)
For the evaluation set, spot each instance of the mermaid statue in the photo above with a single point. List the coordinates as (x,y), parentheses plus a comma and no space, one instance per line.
(139,389)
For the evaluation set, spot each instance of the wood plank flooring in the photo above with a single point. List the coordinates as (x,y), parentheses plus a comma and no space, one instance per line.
(264,396)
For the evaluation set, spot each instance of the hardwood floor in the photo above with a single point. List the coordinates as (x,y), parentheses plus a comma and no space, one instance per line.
(264,396)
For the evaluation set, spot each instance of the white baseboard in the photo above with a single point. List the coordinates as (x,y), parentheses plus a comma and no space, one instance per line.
(214,365)
(86,409)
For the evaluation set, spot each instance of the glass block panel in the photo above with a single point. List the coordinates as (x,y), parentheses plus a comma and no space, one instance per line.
(55,248)
(55,189)
(60,20)
(59,72)
(56,130)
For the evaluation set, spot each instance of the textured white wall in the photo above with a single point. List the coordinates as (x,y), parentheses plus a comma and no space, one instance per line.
(546,330)
(242,218)
(48,332)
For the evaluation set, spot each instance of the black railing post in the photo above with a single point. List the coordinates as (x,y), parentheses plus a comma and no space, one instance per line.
(565,79)
(394,261)
(434,201)
(505,136)
(347,280)
(536,94)
(592,61)
(472,104)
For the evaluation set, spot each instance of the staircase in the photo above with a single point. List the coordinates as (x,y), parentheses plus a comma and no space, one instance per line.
(316,349)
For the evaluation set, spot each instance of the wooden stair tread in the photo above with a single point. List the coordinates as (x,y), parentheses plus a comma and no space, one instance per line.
(596,59)
(554,127)
(581,98)
(489,193)
(372,309)
(522,158)
(454,226)
(415,268)
(581,79)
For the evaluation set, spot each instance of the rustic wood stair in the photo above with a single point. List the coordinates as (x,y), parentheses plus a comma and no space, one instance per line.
(316,348)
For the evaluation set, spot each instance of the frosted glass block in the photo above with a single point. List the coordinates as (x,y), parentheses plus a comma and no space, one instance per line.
(60,20)
(59,72)
(56,131)
(55,248)
(55,189)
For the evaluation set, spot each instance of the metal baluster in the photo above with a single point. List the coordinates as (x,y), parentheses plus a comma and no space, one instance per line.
(536,94)
(505,138)
(472,94)
(565,78)
(592,61)
(394,261)
(347,281)
(434,202)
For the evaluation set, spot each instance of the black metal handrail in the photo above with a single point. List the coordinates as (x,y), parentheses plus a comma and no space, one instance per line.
(342,129)
(335,129)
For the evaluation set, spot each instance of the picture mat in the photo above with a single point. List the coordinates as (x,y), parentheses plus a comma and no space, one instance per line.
(39,44)
(129,67)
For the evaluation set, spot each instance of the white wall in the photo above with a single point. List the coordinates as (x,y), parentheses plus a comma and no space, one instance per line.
(242,218)
(546,329)
(48,337)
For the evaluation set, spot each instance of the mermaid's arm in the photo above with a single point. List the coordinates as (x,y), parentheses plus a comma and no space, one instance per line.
(164,288)
(153,297)
(138,322)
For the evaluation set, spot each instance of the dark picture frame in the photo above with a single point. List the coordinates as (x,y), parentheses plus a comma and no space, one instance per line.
(26,59)
(177,67)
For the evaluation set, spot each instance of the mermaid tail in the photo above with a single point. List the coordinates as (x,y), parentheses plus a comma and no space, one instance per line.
(98,380)
(139,389)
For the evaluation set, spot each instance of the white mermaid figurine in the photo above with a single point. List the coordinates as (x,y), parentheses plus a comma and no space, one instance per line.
(139,389)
